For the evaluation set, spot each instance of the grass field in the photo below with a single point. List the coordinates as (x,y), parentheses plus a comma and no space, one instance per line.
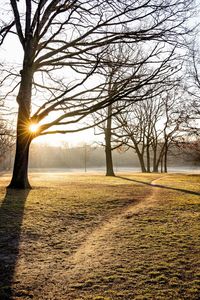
(77,236)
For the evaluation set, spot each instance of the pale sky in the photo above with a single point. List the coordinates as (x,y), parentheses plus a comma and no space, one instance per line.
(11,53)
(73,139)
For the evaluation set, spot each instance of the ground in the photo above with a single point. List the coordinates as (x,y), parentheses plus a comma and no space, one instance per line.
(79,236)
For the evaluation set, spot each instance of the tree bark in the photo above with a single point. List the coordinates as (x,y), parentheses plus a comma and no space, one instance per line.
(161,165)
(141,159)
(20,171)
(155,161)
(148,159)
(142,165)
(165,159)
(23,139)
(140,154)
(108,147)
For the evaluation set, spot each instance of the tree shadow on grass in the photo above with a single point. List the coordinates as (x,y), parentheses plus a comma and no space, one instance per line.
(11,218)
(161,186)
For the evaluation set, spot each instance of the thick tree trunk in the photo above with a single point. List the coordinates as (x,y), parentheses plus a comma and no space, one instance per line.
(20,170)
(23,139)
(108,147)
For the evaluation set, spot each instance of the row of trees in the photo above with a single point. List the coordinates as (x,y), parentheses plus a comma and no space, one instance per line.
(82,56)
(152,128)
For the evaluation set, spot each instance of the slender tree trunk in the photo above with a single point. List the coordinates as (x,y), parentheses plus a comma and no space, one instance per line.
(108,147)
(109,163)
(161,165)
(159,159)
(148,159)
(155,164)
(165,159)
(155,169)
(140,154)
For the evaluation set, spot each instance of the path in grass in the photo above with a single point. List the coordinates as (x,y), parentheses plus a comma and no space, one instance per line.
(96,250)
(91,237)
(91,253)
(149,250)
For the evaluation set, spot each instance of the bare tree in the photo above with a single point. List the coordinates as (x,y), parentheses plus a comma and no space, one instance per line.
(124,71)
(6,142)
(173,119)
(120,73)
(7,137)
(193,89)
(188,143)
(150,126)
(62,47)
(135,130)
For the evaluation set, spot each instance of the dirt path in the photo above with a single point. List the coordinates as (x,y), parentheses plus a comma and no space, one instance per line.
(95,251)
(91,253)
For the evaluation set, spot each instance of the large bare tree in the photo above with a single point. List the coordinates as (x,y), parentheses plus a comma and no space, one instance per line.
(63,43)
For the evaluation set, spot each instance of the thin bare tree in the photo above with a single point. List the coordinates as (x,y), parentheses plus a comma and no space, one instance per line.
(150,127)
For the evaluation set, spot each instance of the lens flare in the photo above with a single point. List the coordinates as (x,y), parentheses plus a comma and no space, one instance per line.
(34,127)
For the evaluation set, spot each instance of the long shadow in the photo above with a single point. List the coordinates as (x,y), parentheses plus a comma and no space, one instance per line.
(161,186)
(11,217)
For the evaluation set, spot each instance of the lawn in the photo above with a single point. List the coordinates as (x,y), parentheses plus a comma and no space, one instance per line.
(87,236)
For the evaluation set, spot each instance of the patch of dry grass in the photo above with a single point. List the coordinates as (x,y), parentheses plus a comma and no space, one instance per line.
(94,237)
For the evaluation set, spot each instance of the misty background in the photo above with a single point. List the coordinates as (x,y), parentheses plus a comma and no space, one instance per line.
(88,157)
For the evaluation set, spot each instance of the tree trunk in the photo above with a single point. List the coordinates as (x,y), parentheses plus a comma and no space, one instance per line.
(155,162)
(142,163)
(24,137)
(165,159)
(108,147)
(155,169)
(109,162)
(148,160)
(161,165)
(140,155)
(20,170)
(160,160)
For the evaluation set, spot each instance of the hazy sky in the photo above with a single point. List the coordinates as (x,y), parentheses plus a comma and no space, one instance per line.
(11,53)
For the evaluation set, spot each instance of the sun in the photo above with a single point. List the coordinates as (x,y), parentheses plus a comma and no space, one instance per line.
(34,127)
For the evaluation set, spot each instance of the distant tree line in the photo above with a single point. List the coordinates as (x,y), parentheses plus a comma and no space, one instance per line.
(87,156)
